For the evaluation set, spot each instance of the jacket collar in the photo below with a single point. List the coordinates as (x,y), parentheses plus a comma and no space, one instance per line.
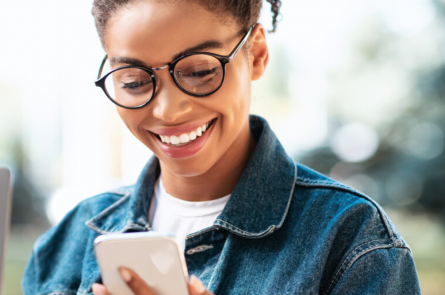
(261,199)
(257,206)
(130,212)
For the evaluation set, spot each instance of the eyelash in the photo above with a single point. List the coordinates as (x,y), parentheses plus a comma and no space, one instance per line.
(134,85)
(201,73)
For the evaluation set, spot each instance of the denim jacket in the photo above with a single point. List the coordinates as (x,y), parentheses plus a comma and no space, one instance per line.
(286,229)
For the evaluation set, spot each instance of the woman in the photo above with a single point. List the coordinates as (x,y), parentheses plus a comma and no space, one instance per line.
(251,220)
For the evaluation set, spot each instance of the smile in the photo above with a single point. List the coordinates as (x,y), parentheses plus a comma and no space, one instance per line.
(182,141)
(185,138)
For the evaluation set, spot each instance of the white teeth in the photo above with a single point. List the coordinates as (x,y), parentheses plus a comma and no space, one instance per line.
(174,140)
(185,137)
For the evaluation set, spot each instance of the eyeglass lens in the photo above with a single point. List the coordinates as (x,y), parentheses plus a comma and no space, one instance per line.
(198,74)
(129,87)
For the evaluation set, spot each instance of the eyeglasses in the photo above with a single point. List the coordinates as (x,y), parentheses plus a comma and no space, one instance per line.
(197,74)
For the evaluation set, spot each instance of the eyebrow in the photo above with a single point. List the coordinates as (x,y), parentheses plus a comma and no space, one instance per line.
(212,44)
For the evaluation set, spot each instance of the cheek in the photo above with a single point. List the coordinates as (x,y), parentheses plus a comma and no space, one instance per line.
(132,119)
(232,103)
(237,87)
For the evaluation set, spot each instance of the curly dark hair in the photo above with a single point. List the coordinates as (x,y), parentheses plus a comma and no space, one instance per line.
(245,12)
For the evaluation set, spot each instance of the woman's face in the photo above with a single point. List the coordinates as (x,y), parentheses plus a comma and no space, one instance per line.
(153,33)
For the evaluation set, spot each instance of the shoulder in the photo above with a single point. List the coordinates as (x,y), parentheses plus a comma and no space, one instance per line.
(341,223)
(76,220)
(61,253)
(342,203)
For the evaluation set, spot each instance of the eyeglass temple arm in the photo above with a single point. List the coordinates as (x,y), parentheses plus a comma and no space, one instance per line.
(102,67)
(240,44)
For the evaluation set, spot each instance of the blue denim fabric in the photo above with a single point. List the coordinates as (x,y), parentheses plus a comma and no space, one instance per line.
(285,230)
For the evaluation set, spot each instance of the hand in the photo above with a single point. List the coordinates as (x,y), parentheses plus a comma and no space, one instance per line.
(139,287)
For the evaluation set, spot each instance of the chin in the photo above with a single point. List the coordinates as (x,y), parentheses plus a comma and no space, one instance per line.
(187,167)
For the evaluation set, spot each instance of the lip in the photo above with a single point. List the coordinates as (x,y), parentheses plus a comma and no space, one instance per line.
(177,130)
(187,150)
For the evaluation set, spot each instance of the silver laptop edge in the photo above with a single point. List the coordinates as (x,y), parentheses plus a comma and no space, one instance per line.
(5,212)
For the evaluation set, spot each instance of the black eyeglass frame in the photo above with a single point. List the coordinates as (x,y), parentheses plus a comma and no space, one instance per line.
(223,59)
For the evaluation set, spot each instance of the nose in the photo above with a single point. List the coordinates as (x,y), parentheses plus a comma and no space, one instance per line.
(169,103)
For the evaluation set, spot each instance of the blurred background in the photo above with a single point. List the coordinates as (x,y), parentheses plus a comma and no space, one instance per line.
(354,89)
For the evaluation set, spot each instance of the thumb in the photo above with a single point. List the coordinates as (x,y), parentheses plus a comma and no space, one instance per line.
(99,289)
(196,287)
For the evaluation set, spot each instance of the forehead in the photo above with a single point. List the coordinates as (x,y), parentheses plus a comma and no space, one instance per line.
(153,31)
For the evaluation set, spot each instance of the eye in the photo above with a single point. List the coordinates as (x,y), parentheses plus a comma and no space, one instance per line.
(134,85)
(202,73)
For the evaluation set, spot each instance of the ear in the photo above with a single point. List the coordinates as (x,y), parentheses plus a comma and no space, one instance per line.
(259,53)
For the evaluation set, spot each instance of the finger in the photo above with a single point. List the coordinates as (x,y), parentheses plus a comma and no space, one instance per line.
(196,287)
(99,289)
(136,284)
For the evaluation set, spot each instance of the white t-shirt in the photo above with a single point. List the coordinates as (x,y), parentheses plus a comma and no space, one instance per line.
(168,213)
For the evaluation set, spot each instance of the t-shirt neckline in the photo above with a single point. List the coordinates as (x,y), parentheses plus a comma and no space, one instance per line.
(186,208)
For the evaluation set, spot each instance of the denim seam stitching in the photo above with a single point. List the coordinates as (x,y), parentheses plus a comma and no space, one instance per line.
(271,228)
(353,259)
(108,209)
(203,231)
(129,225)
(291,194)
(96,229)
(399,243)
(90,222)
(245,233)
(360,254)
(324,183)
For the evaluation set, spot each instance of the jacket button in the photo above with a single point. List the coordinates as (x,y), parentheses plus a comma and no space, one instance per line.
(201,248)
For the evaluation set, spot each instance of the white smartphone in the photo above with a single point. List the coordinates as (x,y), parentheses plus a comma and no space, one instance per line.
(155,256)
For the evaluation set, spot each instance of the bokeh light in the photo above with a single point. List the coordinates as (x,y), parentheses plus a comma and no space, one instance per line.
(355,142)
(404,187)
(426,141)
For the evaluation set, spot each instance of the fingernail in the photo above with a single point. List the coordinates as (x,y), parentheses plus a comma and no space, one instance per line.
(125,274)
(97,289)
(197,284)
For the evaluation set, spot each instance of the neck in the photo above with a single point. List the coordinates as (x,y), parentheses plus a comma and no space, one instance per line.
(218,181)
